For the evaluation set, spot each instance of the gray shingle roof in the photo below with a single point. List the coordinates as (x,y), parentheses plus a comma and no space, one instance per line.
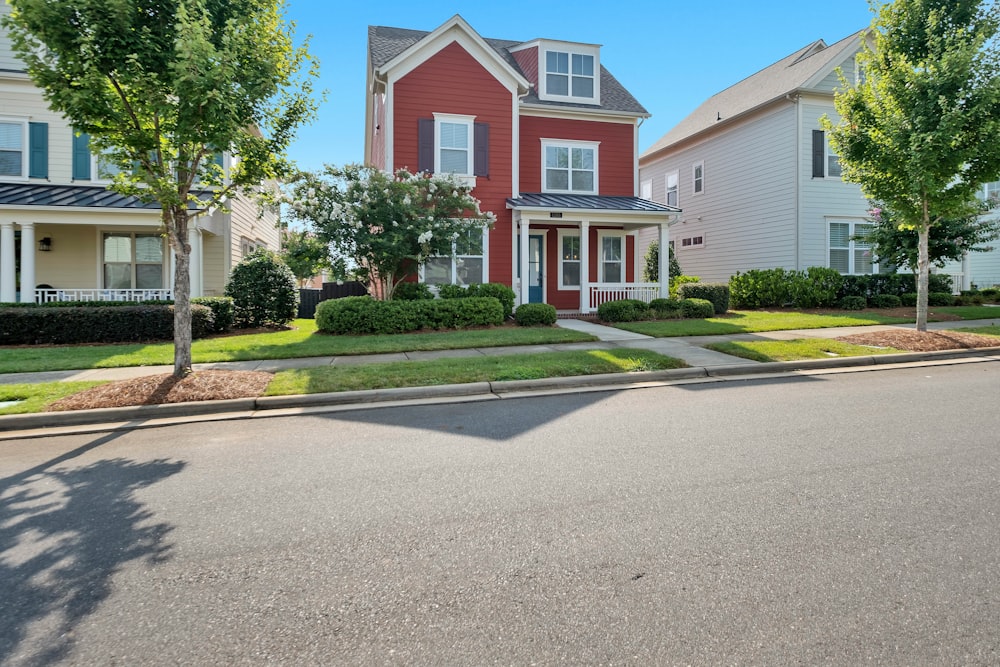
(85,196)
(773,82)
(588,202)
(385,43)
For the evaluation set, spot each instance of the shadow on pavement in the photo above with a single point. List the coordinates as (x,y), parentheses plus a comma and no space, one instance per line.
(64,533)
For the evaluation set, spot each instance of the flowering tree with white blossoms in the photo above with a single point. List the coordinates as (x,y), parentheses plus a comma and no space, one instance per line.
(381,227)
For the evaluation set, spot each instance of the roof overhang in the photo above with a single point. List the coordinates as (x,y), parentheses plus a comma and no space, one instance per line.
(608,209)
(579,113)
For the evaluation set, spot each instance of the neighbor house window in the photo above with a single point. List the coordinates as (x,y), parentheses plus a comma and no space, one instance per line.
(465,267)
(569,166)
(991,190)
(646,190)
(569,259)
(12,148)
(698,178)
(612,265)
(824,161)
(453,144)
(248,245)
(850,255)
(671,185)
(133,261)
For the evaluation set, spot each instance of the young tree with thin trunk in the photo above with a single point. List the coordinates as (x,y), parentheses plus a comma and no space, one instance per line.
(162,87)
(920,131)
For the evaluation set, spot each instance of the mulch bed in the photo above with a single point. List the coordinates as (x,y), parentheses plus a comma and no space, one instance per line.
(921,341)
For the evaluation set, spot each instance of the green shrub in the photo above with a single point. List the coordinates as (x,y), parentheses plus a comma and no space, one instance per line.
(676,282)
(717,293)
(665,309)
(909,299)
(760,288)
(816,287)
(502,293)
(940,299)
(263,290)
(535,314)
(991,294)
(623,310)
(651,264)
(964,299)
(364,315)
(885,301)
(697,308)
(70,325)
(412,291)
(853,303)
(222,311)
(452,291)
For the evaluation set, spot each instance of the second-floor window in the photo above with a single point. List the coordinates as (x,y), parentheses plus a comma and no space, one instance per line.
(671,185)
(12,160)
(825,163)
(453,153)
(569,166)
(569,74)
(698,178)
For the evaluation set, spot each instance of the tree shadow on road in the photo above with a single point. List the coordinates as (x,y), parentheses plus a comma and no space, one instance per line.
(65,531)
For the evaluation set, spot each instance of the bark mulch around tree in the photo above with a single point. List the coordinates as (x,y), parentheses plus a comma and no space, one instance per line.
(922,341)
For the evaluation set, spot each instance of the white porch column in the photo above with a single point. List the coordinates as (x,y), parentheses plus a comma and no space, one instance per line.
(27,262)
(8,272)
(524,260)
(664,260)
(966,276)
(585,266)
(194,238)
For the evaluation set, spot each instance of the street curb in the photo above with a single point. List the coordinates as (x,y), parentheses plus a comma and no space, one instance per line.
(123,417)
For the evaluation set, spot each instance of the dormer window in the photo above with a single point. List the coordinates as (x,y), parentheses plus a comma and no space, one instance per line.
(569,72)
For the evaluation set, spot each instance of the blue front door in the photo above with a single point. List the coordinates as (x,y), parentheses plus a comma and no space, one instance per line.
(535,265)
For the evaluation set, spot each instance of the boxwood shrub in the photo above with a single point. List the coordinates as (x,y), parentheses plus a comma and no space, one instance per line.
(885,301)
(716,293)
(853,303)
(760,288)
(502,293)
(412,291)
(623,310)
(68,325)
(263,290)
(222,311)
(535,314)
(909,299)
(697,308)
(364,315)
(940,299)
(665,309)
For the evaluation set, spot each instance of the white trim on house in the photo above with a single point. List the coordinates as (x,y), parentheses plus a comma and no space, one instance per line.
(570,145)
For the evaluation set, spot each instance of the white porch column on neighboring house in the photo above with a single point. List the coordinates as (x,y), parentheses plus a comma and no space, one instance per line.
(664,260)
(524,260)
(585,266)
(966,275)
(27,262)
(194,238)
(8,272)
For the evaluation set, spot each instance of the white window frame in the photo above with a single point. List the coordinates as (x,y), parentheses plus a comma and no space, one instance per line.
(646,189)
(611,233)
(831,158)
(569,233)
(164,263)
(990,189)
(852,246)
(25,147)
(454,257)
(571,144)
(469,123)
(698,182)
(693,242)
(667,189)
(95,173)
(570,49)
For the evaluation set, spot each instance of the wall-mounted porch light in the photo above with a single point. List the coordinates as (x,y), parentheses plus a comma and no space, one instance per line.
(45,244)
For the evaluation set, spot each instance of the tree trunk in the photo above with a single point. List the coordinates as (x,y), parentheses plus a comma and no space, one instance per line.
(182,292)
(923,274)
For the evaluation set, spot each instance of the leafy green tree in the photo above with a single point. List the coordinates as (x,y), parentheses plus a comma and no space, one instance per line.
(165,85)
(304,254)
(651,266)
(950,238)
(919,132)
(381,227)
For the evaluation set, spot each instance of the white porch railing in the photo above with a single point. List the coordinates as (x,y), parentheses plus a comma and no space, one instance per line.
(957,280)
(49,295)
(603,292)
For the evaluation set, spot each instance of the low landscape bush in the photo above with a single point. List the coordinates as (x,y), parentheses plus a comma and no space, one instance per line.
(222,311)
(535,314)
(853,303)
(697,308)
(67,325)
(263,290)
(412,291)
(716,293)
(502,293)
(940,299)
(909,299)
(760,288)
(364,315)
(678,281)
(623,310)
(665,309)
(885,301)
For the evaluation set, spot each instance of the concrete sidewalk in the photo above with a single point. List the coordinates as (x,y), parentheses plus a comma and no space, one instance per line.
(687,348)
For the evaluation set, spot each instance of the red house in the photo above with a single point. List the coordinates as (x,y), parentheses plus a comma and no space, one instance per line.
(548,138)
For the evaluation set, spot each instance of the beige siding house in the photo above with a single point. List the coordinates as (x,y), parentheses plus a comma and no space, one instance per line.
(63,235)
(758,183)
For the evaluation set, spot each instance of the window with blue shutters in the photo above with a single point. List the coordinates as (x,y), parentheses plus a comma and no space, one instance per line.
(38,150)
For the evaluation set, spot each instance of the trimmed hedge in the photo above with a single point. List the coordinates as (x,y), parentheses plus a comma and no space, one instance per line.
(364,315)
(697,308)
(412,291)
(853,303)
(716,293)
(820,287)
(940,299)
(665,309)
(623,310)
(760,288)
(909,299)
(889,283)
(535,314)
(502,293)
(678,281)
(222,311)
(68,325)
(885,301)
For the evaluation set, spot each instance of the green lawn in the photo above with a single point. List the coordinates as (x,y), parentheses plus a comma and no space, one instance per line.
(795,350)
(458,371)
(986,331)
(302,341)
(35,397)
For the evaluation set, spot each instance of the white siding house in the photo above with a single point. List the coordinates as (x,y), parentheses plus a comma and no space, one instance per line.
(63,235)
(770,194)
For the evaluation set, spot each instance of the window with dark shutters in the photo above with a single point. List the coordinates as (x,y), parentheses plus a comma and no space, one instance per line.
(425,144)
(81,156)
(481,150)
(819,153)
(480,147)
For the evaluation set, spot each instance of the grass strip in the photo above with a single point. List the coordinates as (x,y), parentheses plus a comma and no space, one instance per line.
(796,350)
(985,331)
(302,341)
(458,371)
(36,397)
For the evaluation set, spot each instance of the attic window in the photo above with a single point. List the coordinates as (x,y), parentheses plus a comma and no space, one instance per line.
(569,73)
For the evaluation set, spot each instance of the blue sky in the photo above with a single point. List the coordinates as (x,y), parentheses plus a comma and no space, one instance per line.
(670,54)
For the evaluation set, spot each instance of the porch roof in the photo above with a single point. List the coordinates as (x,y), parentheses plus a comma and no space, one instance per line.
(609,204)
(80,196)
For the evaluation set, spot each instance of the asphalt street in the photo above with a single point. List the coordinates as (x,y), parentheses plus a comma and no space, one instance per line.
(833,519)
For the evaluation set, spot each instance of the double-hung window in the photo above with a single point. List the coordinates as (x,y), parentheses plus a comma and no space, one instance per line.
(133,261)
(849,253)
(466,266)
(698,178)
(569,166)
(453,149)
(671,185)
(612,264)
(569,259)
(13,142)
(570,73)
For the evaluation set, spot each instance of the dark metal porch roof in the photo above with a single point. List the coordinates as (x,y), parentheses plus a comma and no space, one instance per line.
(588,202)
(81,196)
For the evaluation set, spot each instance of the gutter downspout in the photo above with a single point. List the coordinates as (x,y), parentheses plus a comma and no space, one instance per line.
(795,99)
